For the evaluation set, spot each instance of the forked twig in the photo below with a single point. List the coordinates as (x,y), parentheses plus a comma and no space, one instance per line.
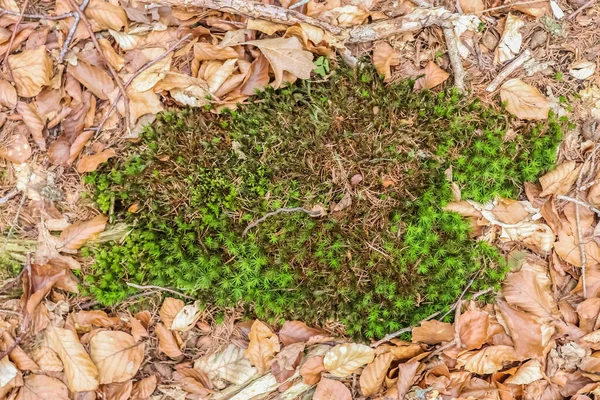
(152,287)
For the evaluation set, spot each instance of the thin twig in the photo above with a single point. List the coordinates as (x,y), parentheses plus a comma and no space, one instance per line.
(150,63)
(9,196)
(390,336)
(455,59)
(510,5)
(580,202)
(15,220)
(456,325)
(13,36)
(509,69)
(581,249)
(281,210)
(580,9)
(67,43)
(4,11)
(12,282)
(462,295)
(114,73)
(152,287)
(299,4)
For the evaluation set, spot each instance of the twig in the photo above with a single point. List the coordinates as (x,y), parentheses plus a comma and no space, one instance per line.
(69,38)
(510,5)
(455,60)
(12,282)
(377,250)
(90,304)
(281,210)
(299,4)
(4,11)
(16,219)
(460,297)
(114,73)
(456,326)
(12,38)
(10,348)
(9,196)
(509,69)
(482,292)
(152,287)
(581,249)
(132,77)
(580,9)
(390,336)
(581,203)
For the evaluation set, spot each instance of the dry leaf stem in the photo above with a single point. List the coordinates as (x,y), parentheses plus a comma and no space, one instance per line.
(509,69)
(455,60)
(281,210)
(12,40)
(162,289)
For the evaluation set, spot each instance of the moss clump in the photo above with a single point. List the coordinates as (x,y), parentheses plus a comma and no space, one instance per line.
(390,259)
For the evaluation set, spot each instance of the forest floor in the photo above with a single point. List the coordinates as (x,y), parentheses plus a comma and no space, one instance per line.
(300,199)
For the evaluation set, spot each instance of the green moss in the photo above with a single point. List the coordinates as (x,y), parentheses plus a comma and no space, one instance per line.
(390,259)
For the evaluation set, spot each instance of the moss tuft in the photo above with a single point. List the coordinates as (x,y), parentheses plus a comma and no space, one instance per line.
(390,259)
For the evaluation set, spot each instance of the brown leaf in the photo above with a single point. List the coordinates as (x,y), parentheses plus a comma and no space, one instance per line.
(529,336)
(487,361)
(193,381)
(263,346)
(169,309)
(18,356)
(117,391)
(33,122)
(538,9)
(59,151)
(471,6)
(31,70)
(84,320)
(402,353)
(166,342)
(89,163)
(47,359)
(373,375)
(8,94)
(264,26)
(328,389)
(311,370)
(111,55)
(7,371)
(77,234)
(137,329)
(285,363)
(208,52)
(510,211)
(16,149)
(80,372)
(297,332)
(433,332)
(95,79)
(257,77)
(463,208)
(406,377)
(523,100)
(559,180)
(117,356)
(229,364)
(104,15)
(144,388)
(434,76)
(472,328)
(345,359)
(529,289)
(143,103)
(384,57)
(78,145)
(42,387)
(526,374)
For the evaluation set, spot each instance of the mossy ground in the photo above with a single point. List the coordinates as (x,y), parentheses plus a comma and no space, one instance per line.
(388,260)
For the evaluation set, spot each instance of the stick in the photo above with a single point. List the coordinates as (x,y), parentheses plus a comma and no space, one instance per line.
(455,60)
(152,287)
(509,69)
(519,3)
(581,203)
(581,249)
(12,40)
(16,219)
(580,9)
(114,74)
(65,47)
(299,4)
(4,11)
(390,336)
(9,196)
(281,210)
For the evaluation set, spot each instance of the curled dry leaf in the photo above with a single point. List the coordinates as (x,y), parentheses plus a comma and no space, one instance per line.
(433,332)
(560,179)
(263,26)
(329,389)
(117,356)
(138,331)
(208,52)
(487,361)
(373,375)
(21,360)
(31,70)
(311,370)
(433,76)
(89,163)
(220,75)
(77,234)
(42,387)
(16,150)
(264,344)
(144,388)
(33,122)
(523,100)
(166,342)
(406,377)
(105,15)
(297,332)
(511,40)
(111,55)
(527,373)
(529,335)
(193,381)
(229,365)
(186,318)
(8,94)
(345,359)
(80,372)
(530,290)
(169,309)
(257,77)
(384,57)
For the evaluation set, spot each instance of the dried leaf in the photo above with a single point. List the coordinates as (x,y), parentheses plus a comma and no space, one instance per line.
(471,6)
(229,365)
(433,76)
(537,9)
(560,179)
(77,234)
(311,370)
(373,375)
(582,69)
(527,373)
(473,328)
(137,329)
(257,77)
(33,122)
(487,361)
(344,203)
(117,356)
(117,391)
(264,26)
(264,344)
(193,381)
(144,388)
(384,57)
(47,359)
(297,332)
(433,332)
(142,104)
(529,289)
(511,40)
(95,79)
(21,360)
(111,55)
(523,100)
(42,387)
(186,318)
(345,359)
(8,94)
(148,78)
(286,54)
(169,309)
(16,150)
(406,377)
(510,211)
(104,15)
(80,372)
(7,371)
(328,389)
(529,336)
(125,41)
(90,163)
(166,342)
(31,70)
(220,75)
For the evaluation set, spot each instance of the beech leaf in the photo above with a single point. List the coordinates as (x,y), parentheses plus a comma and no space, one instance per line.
(8,94)
(434,76)
(523,100)
(473,328)
(487,361)
(95,79)
(16,149)
(229,365)
(144,388)
(530,290)
(471,6)
(104,15)
(527,373)
(433,332)
(329,389)
(373,375)
(42,387)
(33,122)
(384,57)
(560,179)
(89,163)
(208,52)
(77,234)
(186,318)
(169,310)
(297,332)
(166,342)
(31,70)
(345,359)
(264,344)
(117,356)
(311,370)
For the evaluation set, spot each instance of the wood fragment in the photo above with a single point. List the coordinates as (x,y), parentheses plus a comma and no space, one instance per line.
(509,69)
(454,55)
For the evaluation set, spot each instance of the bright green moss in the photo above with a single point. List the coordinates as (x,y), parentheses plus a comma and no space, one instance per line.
(390,259)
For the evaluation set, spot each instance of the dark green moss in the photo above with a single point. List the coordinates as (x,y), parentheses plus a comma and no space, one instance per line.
(390,259)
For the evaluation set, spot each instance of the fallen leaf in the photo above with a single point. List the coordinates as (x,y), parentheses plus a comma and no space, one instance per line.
(208,52)
(285,363)
(537,9)
(264,344)
(193,381)
(529,336)
(471,6)
(264,26)
(148,78)
(104,15)
(7,371)
(384,57)
(529,289)
(229,365)
(582,69)
(117,355)
(166,342)
(31,70)
(84,320)
(286,54)
(297,332)
(373,375)
(169,309)
(16,149)
(144,388)
(487,361)
(89,163)
(138,331)
(42,387)
(345,359)
(220,75)
(77,234)
(46,359)
(510,211)
(117,391)
(433,76)
(406,377)
(464,208)
(186,318)
(311,370)
(125,41)
(328,389)
(350,15)
(473,328)
(80,372)
(523,100)
(433,332)
(111,55)
(141,104)
(33,122)
(344,203)
(560,179)
(8,94)
(21,360)
(95,79)
(511,40)
(527,373)
(257,77)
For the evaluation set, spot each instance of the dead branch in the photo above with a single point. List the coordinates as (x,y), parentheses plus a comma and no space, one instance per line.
(152,287)
(509,69)
(454,55)
(69,38)
(580,9)
(581,203)
(278,211)
(12,39)
(393,335)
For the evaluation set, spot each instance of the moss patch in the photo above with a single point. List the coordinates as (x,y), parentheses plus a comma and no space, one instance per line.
(388,260)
